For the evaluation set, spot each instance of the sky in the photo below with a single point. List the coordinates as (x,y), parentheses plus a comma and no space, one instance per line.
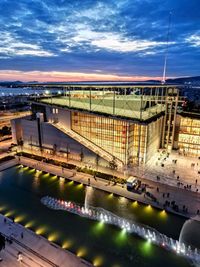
(89,40)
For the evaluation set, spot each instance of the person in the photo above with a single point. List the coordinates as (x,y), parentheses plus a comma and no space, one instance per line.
(22,235)
(19,257)
(88,181)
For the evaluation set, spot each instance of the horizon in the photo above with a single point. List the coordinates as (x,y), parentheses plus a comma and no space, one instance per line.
(70,77)
(98,40)
(123,80)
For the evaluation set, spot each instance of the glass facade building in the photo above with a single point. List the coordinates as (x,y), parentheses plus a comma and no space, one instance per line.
(124,140)
(107,133)
(189,136)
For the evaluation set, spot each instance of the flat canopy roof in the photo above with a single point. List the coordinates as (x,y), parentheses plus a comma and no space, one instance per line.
(129,106)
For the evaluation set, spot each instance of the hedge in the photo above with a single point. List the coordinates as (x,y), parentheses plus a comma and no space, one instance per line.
(73,167)
(6,158)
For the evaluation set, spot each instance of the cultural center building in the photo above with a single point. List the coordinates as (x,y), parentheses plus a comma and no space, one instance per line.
(122,123)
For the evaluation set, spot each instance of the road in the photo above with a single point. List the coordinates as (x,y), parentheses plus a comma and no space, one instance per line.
(5,119)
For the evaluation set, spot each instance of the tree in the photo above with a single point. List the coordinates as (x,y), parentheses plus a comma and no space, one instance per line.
(97,159)
(5,130)
(54,149)
(2,242)
(67,151)
(82,155)
(113,165)
(31,142)
(20,143)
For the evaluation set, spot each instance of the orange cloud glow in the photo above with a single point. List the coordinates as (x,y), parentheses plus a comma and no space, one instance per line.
(55,76)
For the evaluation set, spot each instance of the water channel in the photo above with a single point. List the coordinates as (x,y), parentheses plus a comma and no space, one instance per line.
(21,190)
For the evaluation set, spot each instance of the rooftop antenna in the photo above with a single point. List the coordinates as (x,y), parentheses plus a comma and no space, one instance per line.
(166,52)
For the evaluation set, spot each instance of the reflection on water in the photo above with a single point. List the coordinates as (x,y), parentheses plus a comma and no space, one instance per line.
(103,245)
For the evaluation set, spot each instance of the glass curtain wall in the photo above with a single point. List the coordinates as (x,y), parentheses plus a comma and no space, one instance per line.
(137,144)
(106,133)
(189,136)
(124,140)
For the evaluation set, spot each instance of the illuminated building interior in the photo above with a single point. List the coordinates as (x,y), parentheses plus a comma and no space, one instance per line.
(110,134)
(124,140)
(128,123)
(189,136)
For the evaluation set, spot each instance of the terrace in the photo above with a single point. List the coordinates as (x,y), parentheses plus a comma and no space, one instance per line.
(138,107)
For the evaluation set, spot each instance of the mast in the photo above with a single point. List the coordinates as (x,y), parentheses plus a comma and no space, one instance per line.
(166,53)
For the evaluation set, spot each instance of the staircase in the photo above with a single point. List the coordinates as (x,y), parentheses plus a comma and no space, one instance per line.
(88,144)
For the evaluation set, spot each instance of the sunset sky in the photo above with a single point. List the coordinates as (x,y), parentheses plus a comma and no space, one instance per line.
(65,40)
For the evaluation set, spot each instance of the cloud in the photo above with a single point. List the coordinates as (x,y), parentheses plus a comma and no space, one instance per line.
(11,46)
(85,36)
(55,76)
(117,43)
(194,40)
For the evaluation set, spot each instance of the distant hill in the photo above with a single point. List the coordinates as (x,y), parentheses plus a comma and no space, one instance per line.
(8,83)
(195,80)
(183,80)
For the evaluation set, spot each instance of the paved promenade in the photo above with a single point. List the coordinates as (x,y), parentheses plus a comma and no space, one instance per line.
(8,164)
(181,196)
(36,251)
(173,169)
(187,169)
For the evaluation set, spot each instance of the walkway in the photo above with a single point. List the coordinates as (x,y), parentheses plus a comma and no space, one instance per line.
(182,197)
(148,173)
(172,169)
(8,164)
(36,250)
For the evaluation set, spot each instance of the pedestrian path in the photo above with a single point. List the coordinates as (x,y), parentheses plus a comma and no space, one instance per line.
(172,169)
(36,251)
(187,174)
(8,164)
(181,196)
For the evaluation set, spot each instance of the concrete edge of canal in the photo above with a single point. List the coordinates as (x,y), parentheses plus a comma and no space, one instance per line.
(32,252)
(35,249)
(8,164)
(100,184)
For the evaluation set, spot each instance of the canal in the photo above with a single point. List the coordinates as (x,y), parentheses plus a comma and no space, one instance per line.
(104,245)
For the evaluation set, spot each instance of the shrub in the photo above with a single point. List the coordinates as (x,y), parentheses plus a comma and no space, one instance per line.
(66,165)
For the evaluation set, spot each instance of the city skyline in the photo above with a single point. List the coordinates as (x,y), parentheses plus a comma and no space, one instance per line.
(97,40)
